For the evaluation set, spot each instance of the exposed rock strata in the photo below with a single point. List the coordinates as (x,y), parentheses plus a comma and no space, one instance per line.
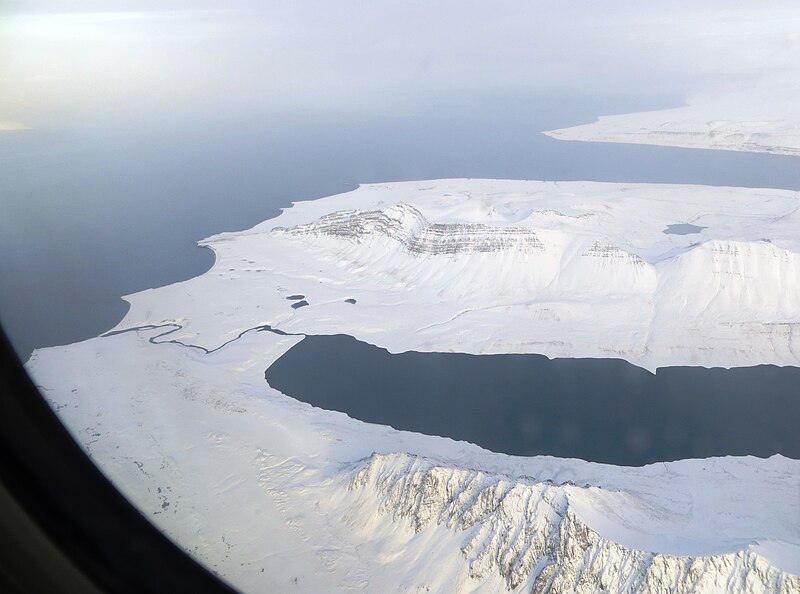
(602,249)
(526,531)
(407,225)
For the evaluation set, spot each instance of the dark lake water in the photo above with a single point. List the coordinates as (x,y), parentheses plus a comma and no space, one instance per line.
(603,410)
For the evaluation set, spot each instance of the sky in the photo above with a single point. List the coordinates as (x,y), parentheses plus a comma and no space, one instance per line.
(68,62)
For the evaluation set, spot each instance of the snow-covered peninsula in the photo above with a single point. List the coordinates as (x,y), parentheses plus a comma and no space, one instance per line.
(564,269)
(749,103)
(274,494)
(704,123)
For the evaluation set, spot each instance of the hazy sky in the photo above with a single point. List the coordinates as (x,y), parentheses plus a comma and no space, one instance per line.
(151,59)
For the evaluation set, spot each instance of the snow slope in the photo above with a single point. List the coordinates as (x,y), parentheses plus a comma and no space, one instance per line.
(565,269)
(274,494)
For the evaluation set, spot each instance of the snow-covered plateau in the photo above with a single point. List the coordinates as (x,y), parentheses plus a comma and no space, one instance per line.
(761,118)
(276,495)
(564,269)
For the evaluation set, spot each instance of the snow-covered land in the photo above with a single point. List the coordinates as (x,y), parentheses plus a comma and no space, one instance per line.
(565,269)
(277,495)
(747,101)
(704,123)
(760,116)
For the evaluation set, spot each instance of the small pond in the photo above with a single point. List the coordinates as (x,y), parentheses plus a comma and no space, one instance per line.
(683,229)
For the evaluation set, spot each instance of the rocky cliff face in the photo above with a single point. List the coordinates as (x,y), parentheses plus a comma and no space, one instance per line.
(407,225)
(526,531)
(601,249)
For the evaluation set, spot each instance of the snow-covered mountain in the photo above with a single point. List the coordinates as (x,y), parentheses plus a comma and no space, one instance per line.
(407,226)
(529,532)
(565,269)
(274,494)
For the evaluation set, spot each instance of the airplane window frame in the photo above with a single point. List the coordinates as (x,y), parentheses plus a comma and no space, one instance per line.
(56,484)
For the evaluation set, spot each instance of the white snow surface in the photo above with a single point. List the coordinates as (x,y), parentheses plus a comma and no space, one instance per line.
(564,269)
(276,495)
(761,118)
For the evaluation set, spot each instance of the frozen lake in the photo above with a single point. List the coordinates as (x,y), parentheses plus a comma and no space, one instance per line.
(683,229)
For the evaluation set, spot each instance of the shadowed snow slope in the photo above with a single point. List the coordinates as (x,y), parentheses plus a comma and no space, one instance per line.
(529,533)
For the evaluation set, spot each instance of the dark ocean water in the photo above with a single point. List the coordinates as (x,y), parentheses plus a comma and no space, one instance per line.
(94,211)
